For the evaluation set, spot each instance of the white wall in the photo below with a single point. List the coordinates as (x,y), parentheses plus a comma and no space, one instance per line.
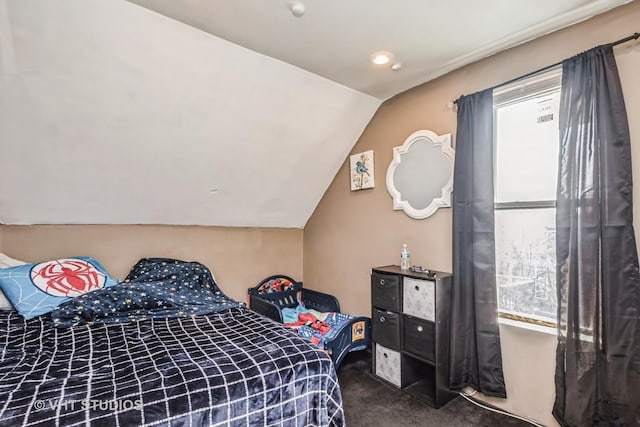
(113,114)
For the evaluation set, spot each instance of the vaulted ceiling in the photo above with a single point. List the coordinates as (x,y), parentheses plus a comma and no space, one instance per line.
(226,112)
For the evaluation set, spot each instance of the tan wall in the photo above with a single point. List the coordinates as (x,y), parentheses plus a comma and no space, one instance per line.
(350,232)
(238,257)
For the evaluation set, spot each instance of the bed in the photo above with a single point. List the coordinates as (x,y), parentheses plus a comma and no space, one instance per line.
(112,362)
(314,315)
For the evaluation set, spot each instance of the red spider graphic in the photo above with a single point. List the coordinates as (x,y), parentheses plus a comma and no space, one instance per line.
(67,277)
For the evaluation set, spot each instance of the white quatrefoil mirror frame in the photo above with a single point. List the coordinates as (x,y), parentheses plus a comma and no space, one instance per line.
(420,176)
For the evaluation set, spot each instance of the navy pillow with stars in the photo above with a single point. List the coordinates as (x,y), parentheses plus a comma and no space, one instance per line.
(154,288)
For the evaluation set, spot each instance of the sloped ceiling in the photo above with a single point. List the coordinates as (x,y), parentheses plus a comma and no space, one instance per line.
(111,113)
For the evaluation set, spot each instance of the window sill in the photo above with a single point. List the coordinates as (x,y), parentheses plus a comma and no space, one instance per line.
(529,326)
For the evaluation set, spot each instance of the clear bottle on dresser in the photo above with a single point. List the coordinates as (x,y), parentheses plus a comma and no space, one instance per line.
(405,258)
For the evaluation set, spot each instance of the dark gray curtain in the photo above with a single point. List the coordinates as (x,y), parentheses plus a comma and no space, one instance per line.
(598,353)
(476,358)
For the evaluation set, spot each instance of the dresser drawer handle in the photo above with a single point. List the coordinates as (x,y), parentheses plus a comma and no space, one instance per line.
(417,288)
(381,282)
(385,355)
(382,319)
(420,328)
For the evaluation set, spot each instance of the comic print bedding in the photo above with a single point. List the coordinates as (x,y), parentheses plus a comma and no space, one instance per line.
(225,367)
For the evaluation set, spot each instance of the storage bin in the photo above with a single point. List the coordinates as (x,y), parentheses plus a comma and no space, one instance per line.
(419,298)
(385,291)
(387,328)
(388,365)
(419,337)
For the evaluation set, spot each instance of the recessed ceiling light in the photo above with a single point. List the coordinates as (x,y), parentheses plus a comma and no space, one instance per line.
(381,58)
(397,66)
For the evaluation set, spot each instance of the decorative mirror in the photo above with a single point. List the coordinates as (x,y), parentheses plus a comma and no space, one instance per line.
(420,176)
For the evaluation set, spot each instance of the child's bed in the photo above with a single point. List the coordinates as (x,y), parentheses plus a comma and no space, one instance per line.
(315,315)
(165,347)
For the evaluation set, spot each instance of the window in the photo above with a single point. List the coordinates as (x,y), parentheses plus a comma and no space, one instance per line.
(525,174)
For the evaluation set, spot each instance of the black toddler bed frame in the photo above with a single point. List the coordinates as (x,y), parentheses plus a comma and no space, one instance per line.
(271,304)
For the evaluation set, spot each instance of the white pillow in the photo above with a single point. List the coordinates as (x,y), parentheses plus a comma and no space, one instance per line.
(6,262)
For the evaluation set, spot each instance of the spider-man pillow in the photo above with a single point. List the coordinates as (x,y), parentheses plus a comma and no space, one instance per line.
(35,289)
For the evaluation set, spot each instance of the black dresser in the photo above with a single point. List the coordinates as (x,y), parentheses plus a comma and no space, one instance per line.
(410,331)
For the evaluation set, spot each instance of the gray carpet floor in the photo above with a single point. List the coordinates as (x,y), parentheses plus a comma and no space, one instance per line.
(369,402)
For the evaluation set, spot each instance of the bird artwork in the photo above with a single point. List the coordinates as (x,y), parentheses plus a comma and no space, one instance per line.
(361,168)
(362,171)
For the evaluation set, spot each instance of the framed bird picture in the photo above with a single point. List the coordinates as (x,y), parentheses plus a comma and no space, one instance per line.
(362,171)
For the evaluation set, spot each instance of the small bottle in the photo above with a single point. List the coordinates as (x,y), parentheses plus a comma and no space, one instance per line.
(405,258)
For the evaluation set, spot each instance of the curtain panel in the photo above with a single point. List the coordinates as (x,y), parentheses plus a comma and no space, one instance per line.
(476,358)
(598,352)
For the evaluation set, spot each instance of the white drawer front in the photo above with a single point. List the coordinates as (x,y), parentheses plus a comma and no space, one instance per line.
(388,365)
(418,298)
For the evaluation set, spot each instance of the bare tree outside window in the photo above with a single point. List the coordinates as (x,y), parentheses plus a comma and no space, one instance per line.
(525,258)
